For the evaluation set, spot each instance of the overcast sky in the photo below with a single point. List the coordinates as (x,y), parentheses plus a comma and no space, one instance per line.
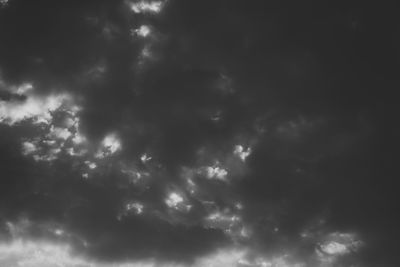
(198,133)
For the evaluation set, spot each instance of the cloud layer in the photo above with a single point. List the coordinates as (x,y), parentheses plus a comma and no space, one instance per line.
(197,133)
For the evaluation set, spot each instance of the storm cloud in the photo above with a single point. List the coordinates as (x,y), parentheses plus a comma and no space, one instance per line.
(198,133)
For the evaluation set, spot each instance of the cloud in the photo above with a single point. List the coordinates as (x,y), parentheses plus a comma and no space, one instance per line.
(59,133)
(53,119)
(216,173)
(143,31)
(177,202)
(46,253)
(136,207)
(241,152)
(4,3)
(35,108)
(336,245)
(34,254)
(147,6)
(139,126)
(109,145)
(28,148)
(222,257)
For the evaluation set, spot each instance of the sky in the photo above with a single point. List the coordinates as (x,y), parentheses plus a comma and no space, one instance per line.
(198,133)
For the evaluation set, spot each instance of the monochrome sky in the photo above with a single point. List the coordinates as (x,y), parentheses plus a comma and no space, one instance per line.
(204,133)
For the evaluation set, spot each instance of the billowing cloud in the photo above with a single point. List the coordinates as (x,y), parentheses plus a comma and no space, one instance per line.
(35,108)
(146,6)
(109,145)
(216,173)
(241,152)
(143,31)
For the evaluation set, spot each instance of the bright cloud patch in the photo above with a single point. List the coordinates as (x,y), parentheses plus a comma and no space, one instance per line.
(35,254)
(177,202)
(230,223)
(241,152)
(21,253)
(59,133)
(45,253)
(135,207)
(223,257)
(54,115)
(131,208)
(28,148)
(78,138)
(216,173)
(39,151)
(143,31)
(24,88)
(110,145)
(91,165)
(145,158)
(244,257)
(335,248)
(29,253)
(35,108)
(336,245)
(147,6)
(173,200)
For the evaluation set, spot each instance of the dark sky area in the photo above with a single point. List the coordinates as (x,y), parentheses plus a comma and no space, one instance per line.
(203,133)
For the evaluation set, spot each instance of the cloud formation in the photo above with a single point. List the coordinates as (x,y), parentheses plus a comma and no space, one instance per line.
(196,133)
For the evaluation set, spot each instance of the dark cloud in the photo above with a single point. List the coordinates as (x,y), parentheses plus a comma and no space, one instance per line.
(268,125)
